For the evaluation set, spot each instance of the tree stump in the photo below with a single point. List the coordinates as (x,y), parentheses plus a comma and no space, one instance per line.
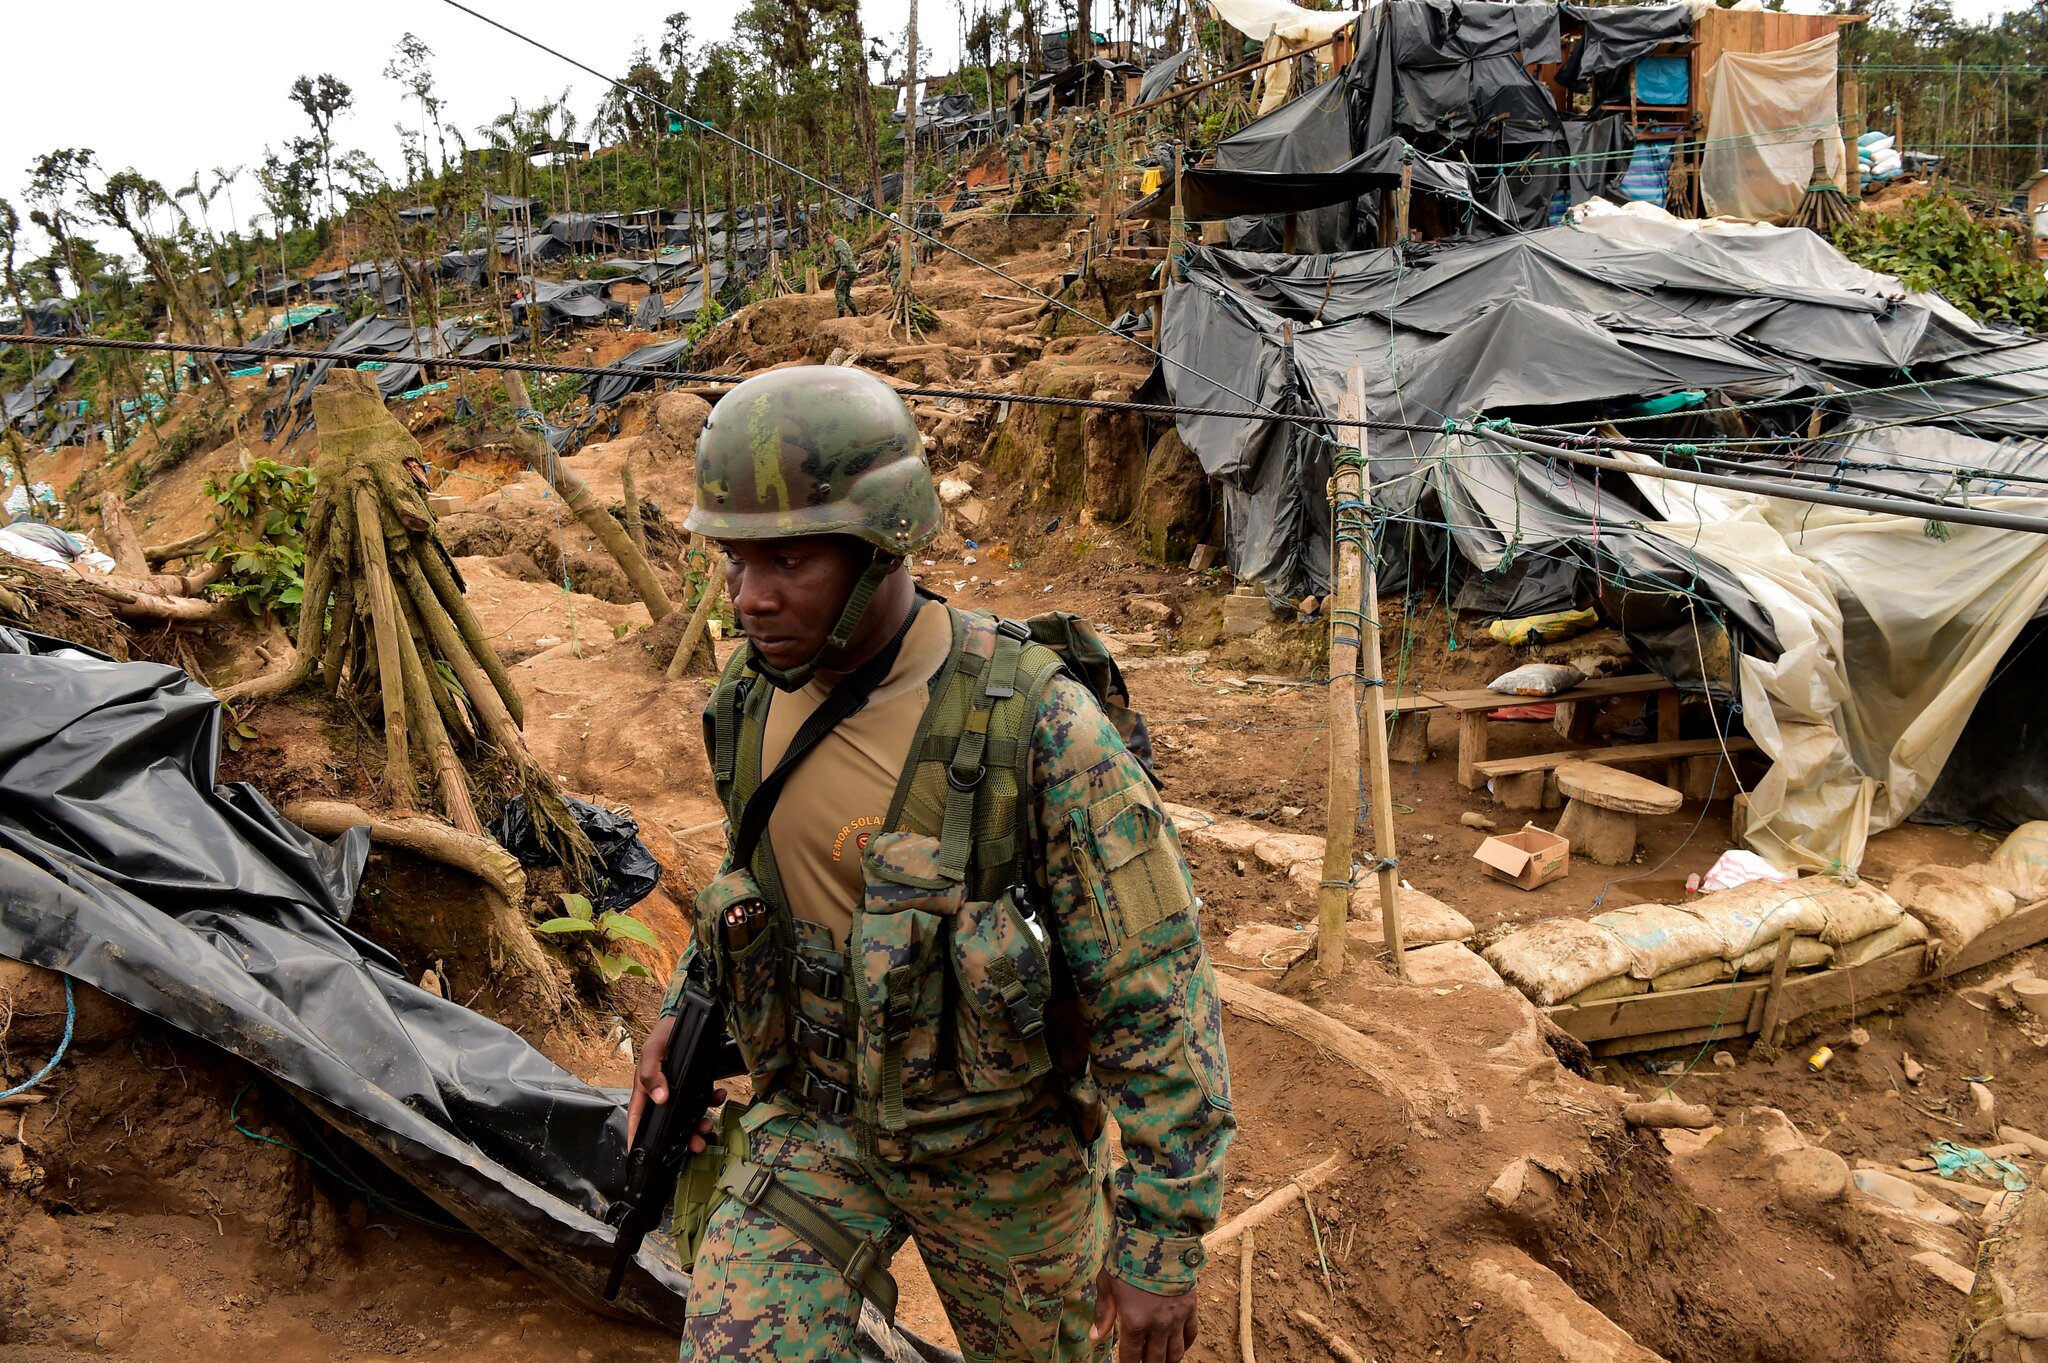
(1601,808)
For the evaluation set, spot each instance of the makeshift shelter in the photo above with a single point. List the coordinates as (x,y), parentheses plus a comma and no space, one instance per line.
(547,305)
(1855,645)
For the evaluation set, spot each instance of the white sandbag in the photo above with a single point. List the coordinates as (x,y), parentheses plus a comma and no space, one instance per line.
(1693,976)
(2020,865)
(1755,915)
(1957,903)
(1853,910)
(1908,931)
(1620,987)
(1554,959)
(1661,938)
(1807,952)
(1537,679)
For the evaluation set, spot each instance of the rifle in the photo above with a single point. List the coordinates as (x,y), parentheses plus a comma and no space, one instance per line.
(699,1055)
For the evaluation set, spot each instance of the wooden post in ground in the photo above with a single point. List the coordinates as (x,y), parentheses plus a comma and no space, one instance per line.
(1340,831)
(1355,648)
(1246,1351)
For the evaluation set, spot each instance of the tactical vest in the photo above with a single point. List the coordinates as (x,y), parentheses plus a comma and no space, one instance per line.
(931,1025)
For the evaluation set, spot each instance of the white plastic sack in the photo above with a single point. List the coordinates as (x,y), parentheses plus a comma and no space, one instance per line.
(1958,904)
(1556,958)
(20,546)
(1908,931)
(2020,864)
(1765,112)
(1736,867)
(1661,938)
(1537,679)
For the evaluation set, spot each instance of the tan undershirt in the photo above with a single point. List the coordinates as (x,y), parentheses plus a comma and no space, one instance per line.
(839,794)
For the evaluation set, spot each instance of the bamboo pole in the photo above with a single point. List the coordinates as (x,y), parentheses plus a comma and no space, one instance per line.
(636,531)
(714,583)
(1340,832)
(575,494)
(398,785)
(1375,675)
(1245,1351)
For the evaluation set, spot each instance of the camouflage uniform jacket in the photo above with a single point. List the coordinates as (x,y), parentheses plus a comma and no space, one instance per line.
(1136,1025)
(844,258)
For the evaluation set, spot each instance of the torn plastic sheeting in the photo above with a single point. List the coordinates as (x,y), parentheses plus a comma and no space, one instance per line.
(1210,194)
(623,872)
(123,865)
(1616,35)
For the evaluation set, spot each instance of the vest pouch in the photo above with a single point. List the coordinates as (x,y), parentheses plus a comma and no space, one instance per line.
(899,955)
(751,978)
(1003,963)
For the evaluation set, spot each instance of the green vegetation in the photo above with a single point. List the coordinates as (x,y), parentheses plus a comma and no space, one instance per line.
(262,520)
(578,918)
(1934,243)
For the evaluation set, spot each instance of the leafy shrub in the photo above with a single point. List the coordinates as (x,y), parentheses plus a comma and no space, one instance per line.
(1933,243)
(579,918)
(262,520)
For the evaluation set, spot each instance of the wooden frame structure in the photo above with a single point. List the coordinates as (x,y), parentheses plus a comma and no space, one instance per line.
(1762,1006)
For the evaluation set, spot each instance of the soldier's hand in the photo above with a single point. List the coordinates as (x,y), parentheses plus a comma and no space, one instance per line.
(1150,1328)
(650,1087)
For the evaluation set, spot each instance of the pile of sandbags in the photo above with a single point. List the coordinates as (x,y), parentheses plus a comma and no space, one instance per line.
(1878,158)
(1721,936)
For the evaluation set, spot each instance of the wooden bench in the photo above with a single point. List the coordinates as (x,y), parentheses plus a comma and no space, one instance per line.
(1521,782)
(1409,741)
(1574,710)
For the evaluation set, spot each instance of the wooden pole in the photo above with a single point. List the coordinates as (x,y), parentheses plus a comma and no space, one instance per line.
(1355,646)
(1187,90)
(1340,833)
(1245,1351)
(693,632)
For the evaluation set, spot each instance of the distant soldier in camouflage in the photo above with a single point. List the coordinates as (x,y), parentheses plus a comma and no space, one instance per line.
(849,266)
(928,220)
(1013,155)
(1097,133)
(1041,146)
(962,939)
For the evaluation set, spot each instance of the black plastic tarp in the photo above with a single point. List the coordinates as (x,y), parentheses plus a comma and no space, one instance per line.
(1212,194)
(1160,75)
(123,864)
(606,388)
(1616,35)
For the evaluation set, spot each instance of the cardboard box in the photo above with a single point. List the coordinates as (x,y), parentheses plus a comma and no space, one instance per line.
(441,504)
(1526,859)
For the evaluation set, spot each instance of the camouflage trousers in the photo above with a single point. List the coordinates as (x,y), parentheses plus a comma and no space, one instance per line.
(842,297)
(1012,1231)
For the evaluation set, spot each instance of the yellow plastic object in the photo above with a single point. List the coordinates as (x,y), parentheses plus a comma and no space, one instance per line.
(1542,629)
(1154,178)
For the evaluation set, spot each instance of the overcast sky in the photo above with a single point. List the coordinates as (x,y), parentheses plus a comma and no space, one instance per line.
(171,89)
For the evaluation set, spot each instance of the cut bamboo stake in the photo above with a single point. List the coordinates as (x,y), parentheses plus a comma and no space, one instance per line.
(398,785)
(1245,1351)
(575,494)
(636,531)
(1274,1203)
(1774,997)
(1332,1341)
(714,583)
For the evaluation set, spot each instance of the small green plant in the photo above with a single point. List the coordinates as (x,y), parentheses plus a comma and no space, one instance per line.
(1934,243)
(262,520)
(708,316)
(579,918)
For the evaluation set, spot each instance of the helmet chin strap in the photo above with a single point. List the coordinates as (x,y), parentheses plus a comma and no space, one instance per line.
(855,610)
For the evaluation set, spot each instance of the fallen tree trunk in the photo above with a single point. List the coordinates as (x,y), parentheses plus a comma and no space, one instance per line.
(123,544)
(184,548)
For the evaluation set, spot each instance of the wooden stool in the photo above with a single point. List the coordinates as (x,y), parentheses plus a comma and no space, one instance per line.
(1600,814)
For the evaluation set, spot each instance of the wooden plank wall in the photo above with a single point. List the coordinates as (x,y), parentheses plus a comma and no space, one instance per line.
(1729,30)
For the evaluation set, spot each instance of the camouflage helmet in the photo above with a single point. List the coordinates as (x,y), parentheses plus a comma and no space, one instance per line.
(814,450)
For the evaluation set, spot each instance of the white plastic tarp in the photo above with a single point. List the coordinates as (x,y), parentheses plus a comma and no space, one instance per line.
(1889,635)
(1765,112)
(1283,28)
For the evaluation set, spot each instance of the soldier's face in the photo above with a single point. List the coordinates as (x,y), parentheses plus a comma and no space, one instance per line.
(788,593)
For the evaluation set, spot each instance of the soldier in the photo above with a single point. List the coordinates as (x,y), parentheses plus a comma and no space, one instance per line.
(962,936)
(1041,145)
(1098,137)
(1013,155)
(928,220)
(849,266)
